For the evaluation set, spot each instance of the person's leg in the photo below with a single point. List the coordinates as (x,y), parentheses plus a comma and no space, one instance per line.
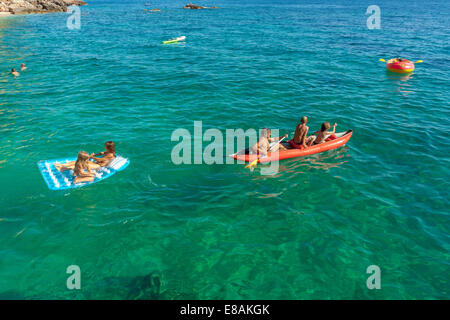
(93,166)
(83,178)
(65,166)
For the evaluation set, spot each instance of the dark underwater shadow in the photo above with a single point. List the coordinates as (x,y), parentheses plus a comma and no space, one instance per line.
(11,295)
(128,288)
(147,287)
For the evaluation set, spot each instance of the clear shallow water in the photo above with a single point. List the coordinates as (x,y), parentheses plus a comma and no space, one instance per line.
(220,231)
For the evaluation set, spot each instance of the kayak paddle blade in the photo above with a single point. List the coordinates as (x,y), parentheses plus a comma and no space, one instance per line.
(252,164)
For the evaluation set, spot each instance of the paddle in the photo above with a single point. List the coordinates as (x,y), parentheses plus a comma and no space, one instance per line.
(382,60)
(254,162)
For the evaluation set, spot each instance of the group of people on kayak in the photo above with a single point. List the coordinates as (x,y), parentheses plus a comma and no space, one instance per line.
(299,141)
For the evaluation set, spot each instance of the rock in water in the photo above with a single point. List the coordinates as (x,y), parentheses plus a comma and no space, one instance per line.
(37,6)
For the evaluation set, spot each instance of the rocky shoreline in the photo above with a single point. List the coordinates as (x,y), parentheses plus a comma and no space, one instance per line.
(36,6)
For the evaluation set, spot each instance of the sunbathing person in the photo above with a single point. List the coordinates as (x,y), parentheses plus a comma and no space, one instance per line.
(82,168)
(107,156)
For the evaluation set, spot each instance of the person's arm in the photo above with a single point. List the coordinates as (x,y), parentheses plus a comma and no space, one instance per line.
(98,154)
(278,139)
(334,128)
(305,137)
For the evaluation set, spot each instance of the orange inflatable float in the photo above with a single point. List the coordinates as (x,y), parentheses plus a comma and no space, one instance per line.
(400,65)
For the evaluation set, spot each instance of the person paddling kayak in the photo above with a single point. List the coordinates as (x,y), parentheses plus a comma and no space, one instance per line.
(262,147)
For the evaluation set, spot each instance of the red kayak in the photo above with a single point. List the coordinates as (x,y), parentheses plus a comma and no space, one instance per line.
(341,139)
(400,66)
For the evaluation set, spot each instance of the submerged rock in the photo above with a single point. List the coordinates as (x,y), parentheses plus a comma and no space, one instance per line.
(37,6)
(145,287)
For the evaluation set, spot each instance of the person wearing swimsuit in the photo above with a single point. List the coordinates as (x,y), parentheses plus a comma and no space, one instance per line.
(300,137)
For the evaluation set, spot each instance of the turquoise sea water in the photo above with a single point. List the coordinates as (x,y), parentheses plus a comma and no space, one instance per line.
(161,231)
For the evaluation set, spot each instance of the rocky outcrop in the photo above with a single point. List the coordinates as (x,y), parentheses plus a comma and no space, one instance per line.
(194,6)
(37,6)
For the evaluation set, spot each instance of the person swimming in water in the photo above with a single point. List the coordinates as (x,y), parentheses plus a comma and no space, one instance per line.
(323,133)
(300,140)
(14,72)
(22,67)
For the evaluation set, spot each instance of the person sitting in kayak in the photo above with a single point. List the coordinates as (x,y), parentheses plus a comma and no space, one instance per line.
(299,141)
(262,147)
(323,132)
(107,156)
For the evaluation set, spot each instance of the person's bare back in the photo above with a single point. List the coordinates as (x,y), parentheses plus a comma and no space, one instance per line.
(300,133)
